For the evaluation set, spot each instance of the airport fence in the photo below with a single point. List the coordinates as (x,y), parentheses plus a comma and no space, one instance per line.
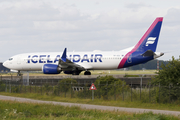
(143,93)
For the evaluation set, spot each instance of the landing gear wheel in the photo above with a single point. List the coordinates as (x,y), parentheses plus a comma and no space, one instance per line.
(87,73)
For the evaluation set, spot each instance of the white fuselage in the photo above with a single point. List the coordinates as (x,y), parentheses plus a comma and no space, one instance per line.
(96,60)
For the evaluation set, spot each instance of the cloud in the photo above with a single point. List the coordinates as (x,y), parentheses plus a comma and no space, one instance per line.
(172,17)
(33,26)
(137,6)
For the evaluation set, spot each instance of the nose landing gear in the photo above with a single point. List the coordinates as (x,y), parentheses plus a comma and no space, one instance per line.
(19,73)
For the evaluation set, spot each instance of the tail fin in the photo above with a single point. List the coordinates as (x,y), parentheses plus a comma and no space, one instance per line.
(150,38)
(144,50)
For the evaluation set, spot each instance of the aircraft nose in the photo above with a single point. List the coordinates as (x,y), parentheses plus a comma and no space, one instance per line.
(5,64)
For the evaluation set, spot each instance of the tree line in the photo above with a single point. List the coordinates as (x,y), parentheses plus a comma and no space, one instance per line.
(151,65)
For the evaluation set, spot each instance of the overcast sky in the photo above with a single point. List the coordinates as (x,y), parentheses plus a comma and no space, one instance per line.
(85,25)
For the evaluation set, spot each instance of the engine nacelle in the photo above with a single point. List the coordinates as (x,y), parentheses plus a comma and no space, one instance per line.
(51,69)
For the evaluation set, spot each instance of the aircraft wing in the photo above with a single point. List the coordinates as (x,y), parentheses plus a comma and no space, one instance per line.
(66,64)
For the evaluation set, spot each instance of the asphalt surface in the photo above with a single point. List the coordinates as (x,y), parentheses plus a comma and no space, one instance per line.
(87,106)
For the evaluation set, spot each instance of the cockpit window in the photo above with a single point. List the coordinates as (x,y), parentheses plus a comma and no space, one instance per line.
(10,59)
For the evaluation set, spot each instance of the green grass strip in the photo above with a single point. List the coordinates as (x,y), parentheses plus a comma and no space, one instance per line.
(34,111)
(135,104)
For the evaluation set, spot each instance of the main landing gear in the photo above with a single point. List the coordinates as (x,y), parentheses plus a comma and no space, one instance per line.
(87,73)
(78,72)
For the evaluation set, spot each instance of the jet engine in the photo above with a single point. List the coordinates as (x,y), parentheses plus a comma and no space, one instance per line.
(51,69)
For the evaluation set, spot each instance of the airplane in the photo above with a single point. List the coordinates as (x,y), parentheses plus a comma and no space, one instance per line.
(76,62)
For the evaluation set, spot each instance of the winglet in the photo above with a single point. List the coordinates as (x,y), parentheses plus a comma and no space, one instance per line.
(63,58)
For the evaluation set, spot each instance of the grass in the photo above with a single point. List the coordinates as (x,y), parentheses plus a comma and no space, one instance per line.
(118,103)
(34,111)
(99,72)
(122,72)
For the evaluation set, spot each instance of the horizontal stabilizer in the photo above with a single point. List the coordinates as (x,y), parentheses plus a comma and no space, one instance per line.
(148,53)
